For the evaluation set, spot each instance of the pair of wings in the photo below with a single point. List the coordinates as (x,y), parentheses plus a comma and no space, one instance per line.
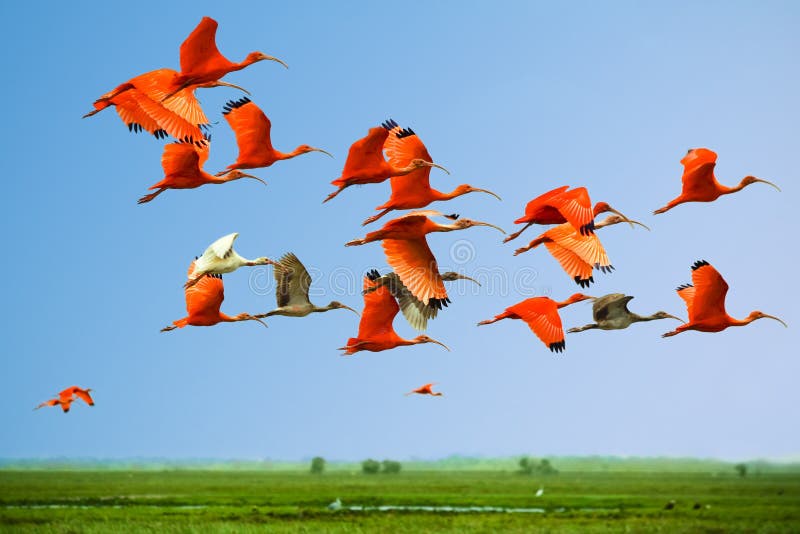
(541,316)
(401,146)
(576,253)
(184,159)
(416,313)
(698,173)
(573,206)
(67,394)
(292,282)
(206,296)
(705,297)
(199,52)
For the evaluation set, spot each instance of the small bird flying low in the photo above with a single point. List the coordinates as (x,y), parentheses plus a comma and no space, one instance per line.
(427,389)
(577,253)
(292,283)
(375,330)
(562,206)
(405,245)
(365,163)
(220,258)
(75,392)
(541,315)
(203,301)
(253,137)
(183,169)
(705,301)
(611,312)
(699,182)
(416,313)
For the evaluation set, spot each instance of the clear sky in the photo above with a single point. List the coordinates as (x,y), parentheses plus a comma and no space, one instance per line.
(517,97)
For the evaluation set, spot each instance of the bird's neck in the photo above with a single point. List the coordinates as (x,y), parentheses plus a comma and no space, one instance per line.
(741,322)
(289,155)
(457,192)
(728,190)
(565,303)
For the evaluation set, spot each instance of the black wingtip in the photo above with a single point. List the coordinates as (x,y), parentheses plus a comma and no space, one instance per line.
(558,346)
(233,104)
(405,132)
(389,124)
(452,216)
(699,263)
(587,229)
(373,274)
(683,286)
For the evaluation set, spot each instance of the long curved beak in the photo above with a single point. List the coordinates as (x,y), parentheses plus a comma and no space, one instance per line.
(253,177)
(225,84)
(765,316)
(479,223)
(431,164)
(440,343)
(495,195)
(351,309)
(323,151)
(674,317)
(270,58)
(256,319)
(773,185)
(624,217)
(632,222)
(465,277)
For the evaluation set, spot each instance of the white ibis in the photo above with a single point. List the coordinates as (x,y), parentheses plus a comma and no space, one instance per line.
(220,258)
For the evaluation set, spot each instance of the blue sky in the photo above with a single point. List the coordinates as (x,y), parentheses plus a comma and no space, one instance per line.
(518,99)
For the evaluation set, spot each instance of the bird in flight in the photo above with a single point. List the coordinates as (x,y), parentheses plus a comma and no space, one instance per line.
(699,182)
(611,312)
(220,258)
(291,290)
(426,390)
(541,315)
(65,405)
(705,301)
(75,392)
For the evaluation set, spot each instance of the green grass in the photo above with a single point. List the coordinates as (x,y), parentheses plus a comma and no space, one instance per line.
(219,501)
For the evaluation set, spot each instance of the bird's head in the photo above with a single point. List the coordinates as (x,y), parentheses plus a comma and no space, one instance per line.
(604,207)
(263,261)
(305,149)
(254,57)
(665,315)
(463,189)
(451,276)
(421,163)
(616,219)
(463,223)
(248,317)
(747,180)
(236,174)
(425,339)
(761,315)
(335,305)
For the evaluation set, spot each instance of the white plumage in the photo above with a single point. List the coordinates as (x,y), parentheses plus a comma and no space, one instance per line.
(220,258)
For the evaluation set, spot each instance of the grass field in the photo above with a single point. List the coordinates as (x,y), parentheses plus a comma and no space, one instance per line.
(226,501)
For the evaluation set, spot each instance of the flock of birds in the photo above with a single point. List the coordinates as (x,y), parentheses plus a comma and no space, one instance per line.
(163,103)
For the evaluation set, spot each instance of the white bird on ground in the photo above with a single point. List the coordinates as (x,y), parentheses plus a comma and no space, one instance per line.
(220,258)
(540,491)
(335,505)
(291,291)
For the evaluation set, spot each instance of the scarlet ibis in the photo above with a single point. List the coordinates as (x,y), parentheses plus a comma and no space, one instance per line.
(427,389)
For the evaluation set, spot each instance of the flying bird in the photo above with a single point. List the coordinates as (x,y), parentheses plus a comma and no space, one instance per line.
(705,301)
(611,312)
(561,206)
(202,62)
(699,182)
(138,104)
(426,390)
(203,301)
(75,392)
(375,330)
(183,169)
(413,190)
(252,129)
(416,313)
(541,315)
(365,163)
(407,252)
(577,253)
(291,290)
(220,258)
(65,404)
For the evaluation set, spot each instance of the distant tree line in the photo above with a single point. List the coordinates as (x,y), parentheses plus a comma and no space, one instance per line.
(373,467)
(529,466)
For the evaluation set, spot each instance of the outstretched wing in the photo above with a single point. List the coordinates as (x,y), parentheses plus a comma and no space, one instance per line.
(380,309)
(222,247)
(292,282)
(84,396)
(252,129)
(206,296)
(576,207)
(416,266)
(573,265)
(613,305)
(532,207)
(415,312)
(541,315)
(698,173)
(199,51)
(367,152)
(587,247)
(710,290)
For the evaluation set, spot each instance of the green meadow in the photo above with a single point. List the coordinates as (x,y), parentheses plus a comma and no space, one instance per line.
(272,500)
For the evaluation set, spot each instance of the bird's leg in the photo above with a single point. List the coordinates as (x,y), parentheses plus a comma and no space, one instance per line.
(193,281)
(375,217)
(168,328)
(355,242)
(151,196)
(341,188)
(582,328)
(672,333)
(490,321)
(516,234)
(525,248)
